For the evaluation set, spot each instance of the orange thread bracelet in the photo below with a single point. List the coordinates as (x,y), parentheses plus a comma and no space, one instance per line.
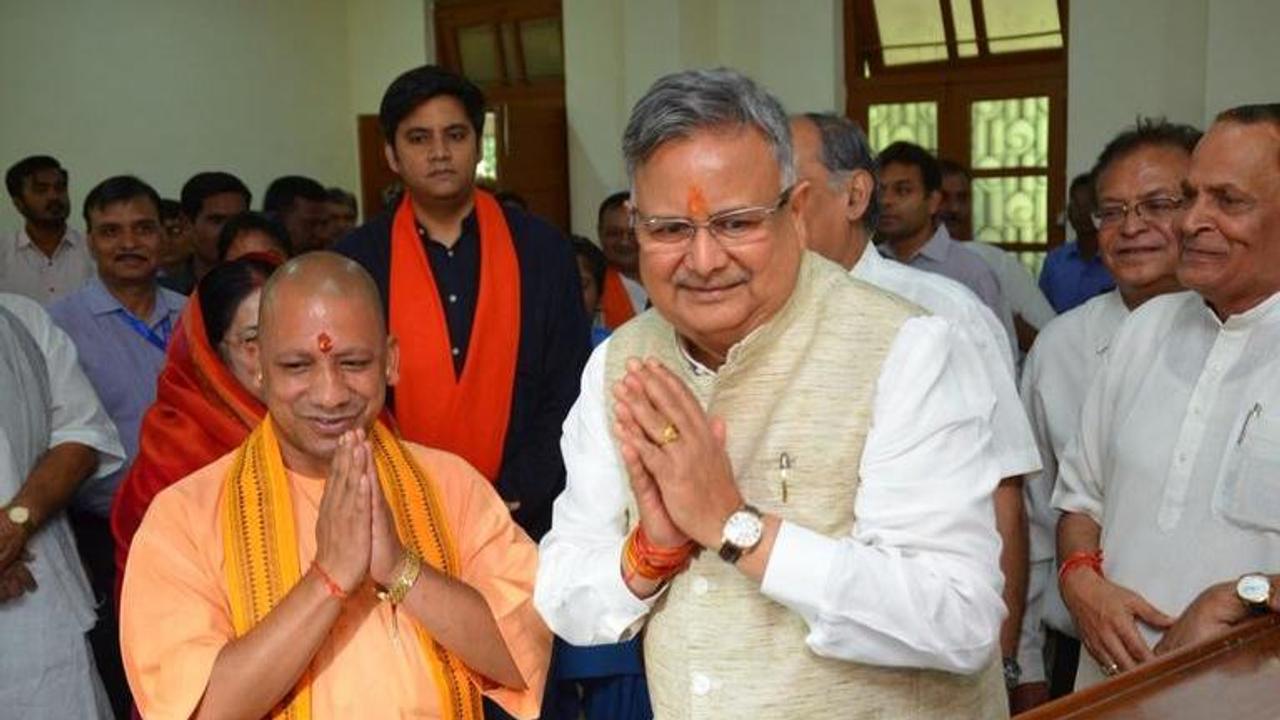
(330,586)
(1081,558)
(652,562)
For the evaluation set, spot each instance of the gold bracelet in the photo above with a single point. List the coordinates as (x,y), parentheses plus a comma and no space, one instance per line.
(410,568)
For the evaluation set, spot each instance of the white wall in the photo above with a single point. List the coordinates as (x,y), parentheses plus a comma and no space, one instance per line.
(1243,54)
(1185,60)
(615,49)
(166,88)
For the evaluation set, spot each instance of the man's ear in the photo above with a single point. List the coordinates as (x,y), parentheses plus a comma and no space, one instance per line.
(860,187)
(393,161)
(393,360)
(934,202)
(796,205)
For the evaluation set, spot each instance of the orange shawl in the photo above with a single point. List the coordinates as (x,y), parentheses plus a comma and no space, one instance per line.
(614,300)
(465,415)
(201,413)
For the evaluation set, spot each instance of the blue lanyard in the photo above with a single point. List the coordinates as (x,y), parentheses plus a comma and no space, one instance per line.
(161,341)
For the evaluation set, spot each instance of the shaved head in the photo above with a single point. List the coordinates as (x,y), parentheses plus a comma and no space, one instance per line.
(321,274)
(325,355)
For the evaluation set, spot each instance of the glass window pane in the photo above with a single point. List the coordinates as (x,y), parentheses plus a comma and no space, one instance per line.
(478,46)
(1011,209)
(1014,25)
(911,31)
(543,56)
(487,168)
(966,34)
(1010,133)
(915,122)
(509,52)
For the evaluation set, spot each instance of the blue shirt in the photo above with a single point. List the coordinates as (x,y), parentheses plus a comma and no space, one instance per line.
(1068,280)
(122,361)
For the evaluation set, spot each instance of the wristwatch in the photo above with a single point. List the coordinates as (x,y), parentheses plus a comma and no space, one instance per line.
(18,515)
(1254,590)
(1012,673)
(742,532)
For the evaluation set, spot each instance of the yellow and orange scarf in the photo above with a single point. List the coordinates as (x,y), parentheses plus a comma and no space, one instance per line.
(262,563)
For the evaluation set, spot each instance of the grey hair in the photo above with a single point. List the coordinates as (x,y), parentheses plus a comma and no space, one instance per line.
(844,150)
(680,104)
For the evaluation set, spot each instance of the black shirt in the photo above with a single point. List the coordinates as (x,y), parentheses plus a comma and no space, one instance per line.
(457,274)
(553,346)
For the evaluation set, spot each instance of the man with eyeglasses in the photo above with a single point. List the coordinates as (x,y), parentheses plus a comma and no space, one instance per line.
(1171,510)
(1138,178)
(725,440)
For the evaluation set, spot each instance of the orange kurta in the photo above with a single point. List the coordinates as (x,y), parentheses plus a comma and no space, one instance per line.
(175,616)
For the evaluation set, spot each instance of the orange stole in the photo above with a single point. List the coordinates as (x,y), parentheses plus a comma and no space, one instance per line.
(614,300)
(262,563)
(467,416)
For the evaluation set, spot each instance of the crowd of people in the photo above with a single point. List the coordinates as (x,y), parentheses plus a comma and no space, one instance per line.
(784,441)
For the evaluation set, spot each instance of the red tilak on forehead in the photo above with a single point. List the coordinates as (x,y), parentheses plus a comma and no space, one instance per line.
(324,342)
(697,202)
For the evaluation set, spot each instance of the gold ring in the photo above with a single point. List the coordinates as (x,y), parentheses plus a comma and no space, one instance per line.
(669,434)
(1111,669)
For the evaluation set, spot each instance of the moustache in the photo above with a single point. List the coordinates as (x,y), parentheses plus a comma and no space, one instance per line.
(690,280)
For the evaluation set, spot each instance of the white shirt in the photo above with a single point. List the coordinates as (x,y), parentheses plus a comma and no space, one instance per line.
(1055,380)
(915,584)
(1178,452)
(1011,435)
(26,270)
(44,630)
(1019,288)
(636,293)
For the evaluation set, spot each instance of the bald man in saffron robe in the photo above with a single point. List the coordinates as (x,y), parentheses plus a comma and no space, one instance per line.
(327,568)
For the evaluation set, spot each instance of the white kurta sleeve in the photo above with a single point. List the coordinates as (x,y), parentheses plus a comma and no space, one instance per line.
(1079,488)
(917,582)
(580,591)
(76,414)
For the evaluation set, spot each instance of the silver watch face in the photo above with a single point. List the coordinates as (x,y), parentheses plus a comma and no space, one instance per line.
(1255,589)
(743,529)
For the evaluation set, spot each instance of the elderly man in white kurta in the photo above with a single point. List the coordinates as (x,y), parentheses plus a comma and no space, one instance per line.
(53,434)
(783,474)
(833,155)
(1171,523)
(1138,180)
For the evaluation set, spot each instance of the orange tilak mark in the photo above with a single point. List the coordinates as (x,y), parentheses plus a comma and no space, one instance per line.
(697,202)
(324,342)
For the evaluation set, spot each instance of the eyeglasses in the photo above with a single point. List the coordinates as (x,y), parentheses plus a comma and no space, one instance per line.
(1151,209)
(731,228)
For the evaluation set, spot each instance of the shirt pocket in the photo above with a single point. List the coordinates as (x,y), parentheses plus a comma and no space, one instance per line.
(1249,492)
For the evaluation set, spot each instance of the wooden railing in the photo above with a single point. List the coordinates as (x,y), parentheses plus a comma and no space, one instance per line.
(1236,676)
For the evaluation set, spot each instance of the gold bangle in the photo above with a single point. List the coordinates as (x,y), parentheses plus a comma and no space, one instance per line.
(410,569)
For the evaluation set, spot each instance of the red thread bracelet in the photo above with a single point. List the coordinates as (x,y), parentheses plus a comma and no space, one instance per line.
(330,586)
(1081,558)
